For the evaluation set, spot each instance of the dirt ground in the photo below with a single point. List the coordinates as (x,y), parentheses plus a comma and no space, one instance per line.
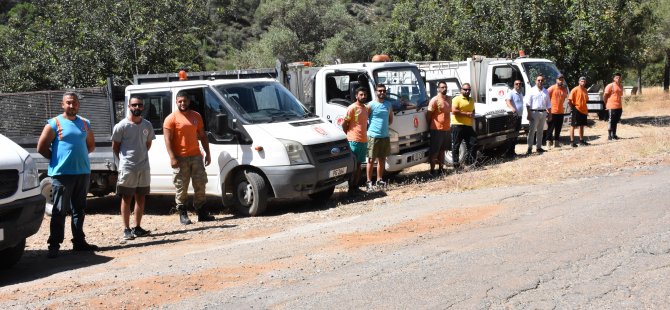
(645,141)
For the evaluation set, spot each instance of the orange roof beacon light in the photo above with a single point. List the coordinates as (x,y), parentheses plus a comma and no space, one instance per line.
(182,75)
(258,148)
(381,58)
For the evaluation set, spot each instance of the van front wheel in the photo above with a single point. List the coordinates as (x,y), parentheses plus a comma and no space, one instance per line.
(250,196)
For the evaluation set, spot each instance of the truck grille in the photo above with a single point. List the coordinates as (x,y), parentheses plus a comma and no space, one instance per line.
(329,151)
(413,142)
(9,183)
(499,123)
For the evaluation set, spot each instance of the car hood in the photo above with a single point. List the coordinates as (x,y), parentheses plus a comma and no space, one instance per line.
(12,155)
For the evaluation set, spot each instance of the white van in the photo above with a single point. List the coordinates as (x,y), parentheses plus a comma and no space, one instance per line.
(21,202)
(264,143)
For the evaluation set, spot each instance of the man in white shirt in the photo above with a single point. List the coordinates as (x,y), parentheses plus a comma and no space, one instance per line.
(539,108)
(514,102)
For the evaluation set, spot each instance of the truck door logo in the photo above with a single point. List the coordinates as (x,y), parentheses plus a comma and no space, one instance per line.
(320,130)
(501,92)
(416,122)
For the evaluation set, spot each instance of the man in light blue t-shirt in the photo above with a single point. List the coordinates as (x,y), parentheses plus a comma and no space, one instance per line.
(66,141)
(379,144)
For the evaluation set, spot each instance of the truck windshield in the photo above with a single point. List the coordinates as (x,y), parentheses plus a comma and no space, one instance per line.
(404,87)
(262,102)
(547,69)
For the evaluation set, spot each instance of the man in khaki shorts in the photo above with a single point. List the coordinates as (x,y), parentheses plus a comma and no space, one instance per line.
(379,144)
(131,140)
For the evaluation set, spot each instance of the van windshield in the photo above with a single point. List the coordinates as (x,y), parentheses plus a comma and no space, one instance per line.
(404,87)
(547,69)
(262,102)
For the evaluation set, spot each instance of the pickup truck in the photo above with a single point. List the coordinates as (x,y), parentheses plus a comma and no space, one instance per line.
(21,203)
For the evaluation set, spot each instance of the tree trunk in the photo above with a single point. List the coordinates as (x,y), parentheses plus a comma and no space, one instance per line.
(666,73)
(639,79)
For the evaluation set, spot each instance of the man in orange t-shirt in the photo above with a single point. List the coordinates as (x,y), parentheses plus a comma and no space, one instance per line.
(578,98)
(355,125)
(612,97)
(557,94)
(182,129)
(439,118)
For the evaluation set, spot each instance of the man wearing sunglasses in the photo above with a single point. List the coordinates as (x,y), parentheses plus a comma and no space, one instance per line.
(539,108)
(131,141)
(379,143)
(462,122)
(514,102)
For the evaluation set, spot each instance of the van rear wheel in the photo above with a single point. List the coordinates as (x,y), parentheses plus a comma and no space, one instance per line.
(250,194)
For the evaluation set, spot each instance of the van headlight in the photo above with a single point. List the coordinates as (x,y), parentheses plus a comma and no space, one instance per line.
(30,177)
(296,153)
(394,138)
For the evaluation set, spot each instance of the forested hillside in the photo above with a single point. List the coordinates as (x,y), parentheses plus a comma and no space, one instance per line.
(53,44)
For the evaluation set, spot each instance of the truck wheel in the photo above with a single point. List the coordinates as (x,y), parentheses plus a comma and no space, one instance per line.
(323,195)
(10,256)
(45,187)
(249,193)
(461,155)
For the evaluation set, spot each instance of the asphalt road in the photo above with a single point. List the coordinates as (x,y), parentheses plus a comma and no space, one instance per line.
(593,243)
(599,242)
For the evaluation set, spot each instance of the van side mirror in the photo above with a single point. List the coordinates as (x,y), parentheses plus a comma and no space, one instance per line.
(222,127)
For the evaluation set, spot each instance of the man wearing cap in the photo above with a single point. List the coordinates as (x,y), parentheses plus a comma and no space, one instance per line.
(539,106)
(612,97)
(557,94)
(577,100)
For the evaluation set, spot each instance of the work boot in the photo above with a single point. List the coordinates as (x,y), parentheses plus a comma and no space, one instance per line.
(84,246)
(204,216)
(574,144)
(183,217)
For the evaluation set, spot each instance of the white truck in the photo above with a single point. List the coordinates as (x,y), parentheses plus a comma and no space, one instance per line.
(327,91)
(21,202)
(264,143)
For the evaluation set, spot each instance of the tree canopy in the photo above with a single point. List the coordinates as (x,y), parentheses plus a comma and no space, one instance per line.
(51,44)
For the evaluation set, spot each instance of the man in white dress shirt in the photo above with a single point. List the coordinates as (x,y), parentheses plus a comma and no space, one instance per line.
(539,108)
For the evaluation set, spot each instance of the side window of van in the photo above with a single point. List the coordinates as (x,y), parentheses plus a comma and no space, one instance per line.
(156,109)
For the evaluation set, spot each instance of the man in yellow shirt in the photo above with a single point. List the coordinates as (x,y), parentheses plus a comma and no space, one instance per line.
(462,122)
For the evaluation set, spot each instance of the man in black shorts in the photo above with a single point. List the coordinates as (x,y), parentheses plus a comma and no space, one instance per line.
(578,99)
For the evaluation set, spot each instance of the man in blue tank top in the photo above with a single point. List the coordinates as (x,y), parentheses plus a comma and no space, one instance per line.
(379,143)
(66,141)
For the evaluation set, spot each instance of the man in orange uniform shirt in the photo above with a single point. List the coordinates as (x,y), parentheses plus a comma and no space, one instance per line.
(612,97)
(578,99)
(557,94)
(439,118)
(355,125)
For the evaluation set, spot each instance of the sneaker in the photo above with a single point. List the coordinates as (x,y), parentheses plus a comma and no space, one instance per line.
(84,246)
(584,143)
(140,232)
(52,252)
(381,184)
(541,150)
(574,144)
(368,187)
(128,234)
(530,150)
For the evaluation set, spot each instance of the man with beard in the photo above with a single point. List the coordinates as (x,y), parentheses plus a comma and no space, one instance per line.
(66,141)
(462,122)
(578,98)
(379,143)
(439,118)
(131,141)
(557,95)
(182,129)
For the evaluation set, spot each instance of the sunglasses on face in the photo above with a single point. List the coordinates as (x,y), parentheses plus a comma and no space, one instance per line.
(465,89)
(517,83)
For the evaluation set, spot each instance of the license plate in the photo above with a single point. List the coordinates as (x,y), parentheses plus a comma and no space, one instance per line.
(417,156)
(337,172)
(2,234)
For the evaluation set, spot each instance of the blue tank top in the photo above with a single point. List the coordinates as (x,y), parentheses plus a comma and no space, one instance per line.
(379,119)
(69,153)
